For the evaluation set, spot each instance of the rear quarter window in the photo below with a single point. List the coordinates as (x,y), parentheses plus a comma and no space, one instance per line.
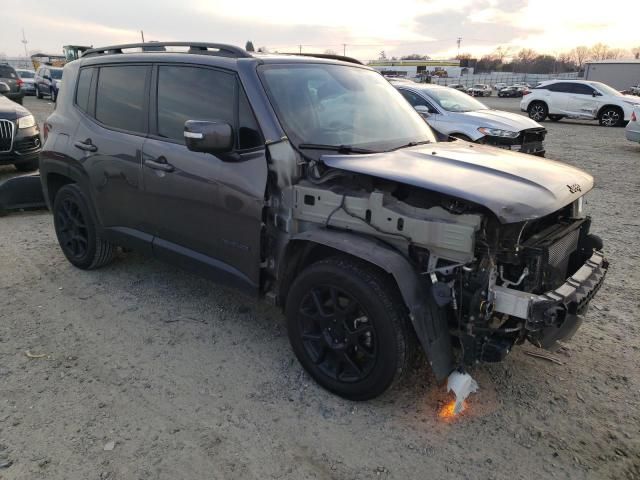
(84,86)
(7,72)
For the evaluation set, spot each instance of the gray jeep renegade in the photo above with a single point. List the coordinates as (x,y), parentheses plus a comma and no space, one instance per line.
(312,182)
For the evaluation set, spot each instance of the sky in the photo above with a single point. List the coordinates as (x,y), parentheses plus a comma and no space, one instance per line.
(398,27)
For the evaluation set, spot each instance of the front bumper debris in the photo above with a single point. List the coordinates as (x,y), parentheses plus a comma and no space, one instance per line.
(555,315)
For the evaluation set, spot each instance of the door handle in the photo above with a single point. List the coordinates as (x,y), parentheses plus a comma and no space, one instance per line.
(87,145)
(160,163)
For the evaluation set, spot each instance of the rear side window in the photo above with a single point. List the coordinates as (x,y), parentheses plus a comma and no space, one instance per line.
(120,97)
(192,93)
(560,87)
(82,91)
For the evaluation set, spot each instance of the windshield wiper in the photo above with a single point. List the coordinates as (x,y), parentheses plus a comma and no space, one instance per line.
(410,144)
(335,148)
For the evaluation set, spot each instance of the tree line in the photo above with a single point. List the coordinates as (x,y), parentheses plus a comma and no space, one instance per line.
(527,60)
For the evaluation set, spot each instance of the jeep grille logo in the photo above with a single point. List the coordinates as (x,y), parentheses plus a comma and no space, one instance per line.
(574,188)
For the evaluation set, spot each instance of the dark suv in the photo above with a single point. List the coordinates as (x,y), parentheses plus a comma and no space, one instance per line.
(10,77)
(19,134)
(312,182)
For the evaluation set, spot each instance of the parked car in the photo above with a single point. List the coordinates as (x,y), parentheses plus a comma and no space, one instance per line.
(48,81)
(312,182)
(480,90)
(458,86)
(512,92)
(19,134)
(28,81)
(457,115)
(581,99)
(9,76)
(632,132)
(499,86)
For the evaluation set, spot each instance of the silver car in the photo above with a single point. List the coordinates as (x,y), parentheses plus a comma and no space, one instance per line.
(452,113)
(632,132)
(28,82)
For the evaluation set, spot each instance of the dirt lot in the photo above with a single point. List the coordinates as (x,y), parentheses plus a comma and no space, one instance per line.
(184,379)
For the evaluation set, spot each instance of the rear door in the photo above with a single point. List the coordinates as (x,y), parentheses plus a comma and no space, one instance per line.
(581,102)
(114,101)
(204,209)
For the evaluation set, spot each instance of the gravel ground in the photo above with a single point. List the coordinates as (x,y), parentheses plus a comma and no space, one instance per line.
(144,372)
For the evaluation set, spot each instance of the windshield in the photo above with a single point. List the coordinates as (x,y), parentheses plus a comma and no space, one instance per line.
(606,89)
(454,100)
(56,74)
(341,105)
(26,74)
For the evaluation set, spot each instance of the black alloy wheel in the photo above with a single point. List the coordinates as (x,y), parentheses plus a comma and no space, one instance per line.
(337,334)
(71,228)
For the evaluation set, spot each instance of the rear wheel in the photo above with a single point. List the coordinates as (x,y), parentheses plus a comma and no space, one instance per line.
(611,117)
(38,94)
(76,230)
(348,327)
(538,111)
(555,118)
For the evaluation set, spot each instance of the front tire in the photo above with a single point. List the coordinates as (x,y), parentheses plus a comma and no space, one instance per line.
(38,94)
(538,111)
(611,117)
(348,327)
(77,232)
(54,95)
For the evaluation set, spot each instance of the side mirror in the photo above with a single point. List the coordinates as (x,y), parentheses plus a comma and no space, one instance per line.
(4,88)
(595,94)
(208,137)
(423,110)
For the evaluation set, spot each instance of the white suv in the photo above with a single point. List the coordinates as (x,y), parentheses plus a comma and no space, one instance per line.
(578,99)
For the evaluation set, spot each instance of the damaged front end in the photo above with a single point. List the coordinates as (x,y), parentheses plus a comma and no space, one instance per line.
(532,281)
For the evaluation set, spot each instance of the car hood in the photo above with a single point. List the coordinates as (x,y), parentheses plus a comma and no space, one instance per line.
(499,119)
(10,110)
(515,187)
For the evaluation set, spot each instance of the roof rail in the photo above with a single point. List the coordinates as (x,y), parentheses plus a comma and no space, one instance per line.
(329,56)
(217,49)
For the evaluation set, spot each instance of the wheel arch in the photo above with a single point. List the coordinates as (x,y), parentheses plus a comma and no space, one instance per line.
(610,105)
(313,245)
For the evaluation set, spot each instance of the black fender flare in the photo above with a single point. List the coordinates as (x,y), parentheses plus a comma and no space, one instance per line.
(432,330)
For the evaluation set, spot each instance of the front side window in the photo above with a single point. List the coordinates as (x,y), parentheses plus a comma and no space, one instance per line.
(326,104)
(414,99)
(120,97)
(606,89)
(192,93)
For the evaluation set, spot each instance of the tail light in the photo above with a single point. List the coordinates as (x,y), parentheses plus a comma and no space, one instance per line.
(633,117)
(20,82)
(526,92)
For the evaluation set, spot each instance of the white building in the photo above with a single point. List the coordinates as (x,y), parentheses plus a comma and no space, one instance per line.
(415,69)
(620,74)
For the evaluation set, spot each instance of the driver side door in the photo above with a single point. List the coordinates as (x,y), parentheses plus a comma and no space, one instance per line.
(433,118)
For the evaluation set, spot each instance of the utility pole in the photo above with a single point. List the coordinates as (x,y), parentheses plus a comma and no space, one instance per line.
(459,41)
(24,42)
(142,35)
(300,49)
(344,49)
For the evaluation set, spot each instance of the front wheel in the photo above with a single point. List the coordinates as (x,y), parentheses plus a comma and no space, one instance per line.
(77,232)
(349,328)
(537,111)
(38,93)
(54,95)
(611,117)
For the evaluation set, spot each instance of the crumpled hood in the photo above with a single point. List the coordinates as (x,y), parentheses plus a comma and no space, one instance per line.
(503,120)
(10,110)
(514,186)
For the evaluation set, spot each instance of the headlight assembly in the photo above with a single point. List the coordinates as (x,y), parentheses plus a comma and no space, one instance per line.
(26,121)
(496,132)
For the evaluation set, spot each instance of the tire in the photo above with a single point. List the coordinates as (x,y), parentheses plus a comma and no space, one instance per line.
(28,166)
(76,230)
(556,118)
(38,94)
(611,117)
(54,95)
(538,111)
(359,349)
